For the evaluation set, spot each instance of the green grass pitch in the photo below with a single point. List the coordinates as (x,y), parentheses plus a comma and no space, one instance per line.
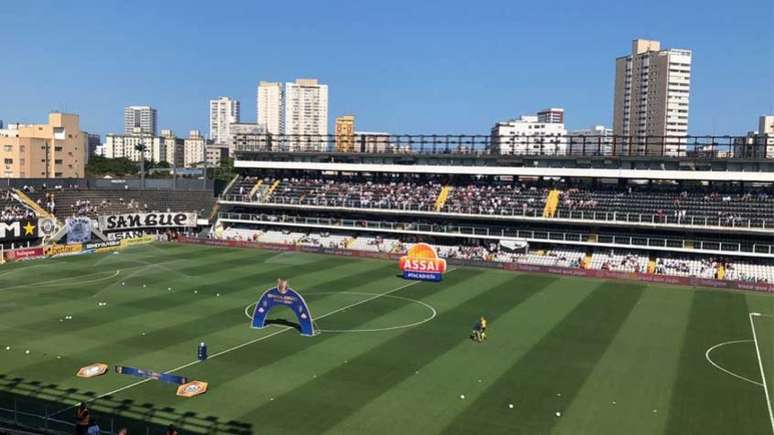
(572,355)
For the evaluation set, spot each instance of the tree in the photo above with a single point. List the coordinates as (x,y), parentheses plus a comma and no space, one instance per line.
(100,166)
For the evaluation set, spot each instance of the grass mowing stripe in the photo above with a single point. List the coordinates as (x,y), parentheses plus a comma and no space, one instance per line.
(764,380)
(573,347)
(643,357)
(321,396)
(167,301)
(249,361)
(235,350)
(699,402)
(168,335)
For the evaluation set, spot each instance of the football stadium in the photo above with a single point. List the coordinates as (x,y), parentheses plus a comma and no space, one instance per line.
(417,285)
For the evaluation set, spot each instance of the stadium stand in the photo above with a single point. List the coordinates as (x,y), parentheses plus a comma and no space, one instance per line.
(93,202)
(11,208)
(697,229)
(702,206)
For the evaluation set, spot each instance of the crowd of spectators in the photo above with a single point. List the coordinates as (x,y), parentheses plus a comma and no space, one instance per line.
(501,197)
(11,209)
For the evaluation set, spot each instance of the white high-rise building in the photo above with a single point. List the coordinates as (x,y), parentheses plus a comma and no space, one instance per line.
(305,112)
(269,106)
(194,146)
(223,112)
(140,120)
(527,135)
(652,89)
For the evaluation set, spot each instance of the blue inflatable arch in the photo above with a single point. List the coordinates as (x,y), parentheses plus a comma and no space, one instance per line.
(282,295)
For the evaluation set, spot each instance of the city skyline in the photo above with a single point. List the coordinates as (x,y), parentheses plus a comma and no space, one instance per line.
(411,74)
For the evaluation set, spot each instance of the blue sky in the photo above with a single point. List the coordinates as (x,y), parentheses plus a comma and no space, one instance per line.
(399,66)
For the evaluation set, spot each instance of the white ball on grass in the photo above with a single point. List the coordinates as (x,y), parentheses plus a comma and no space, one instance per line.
(217,294)
(143,286)
(558,414)
(27,352)
(169,288)
(510,405)
(123,283)
(8,348)
(462,396)
(196,292)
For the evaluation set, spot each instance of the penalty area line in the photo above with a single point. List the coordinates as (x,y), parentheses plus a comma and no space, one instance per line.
(248,343)
(760,365)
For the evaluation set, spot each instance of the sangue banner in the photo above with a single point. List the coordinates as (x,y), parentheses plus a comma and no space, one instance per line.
(146,220)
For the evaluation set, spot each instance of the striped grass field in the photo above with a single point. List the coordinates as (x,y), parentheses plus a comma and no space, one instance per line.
(571,355)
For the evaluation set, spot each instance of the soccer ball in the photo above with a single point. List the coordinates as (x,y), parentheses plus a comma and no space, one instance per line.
(27,352)
(8,348)
(462,396)
(510,405)
(558,414)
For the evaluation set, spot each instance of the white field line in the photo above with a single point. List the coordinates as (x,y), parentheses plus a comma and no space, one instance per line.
(58,280)
(248,343)
(723,369)
(760,365)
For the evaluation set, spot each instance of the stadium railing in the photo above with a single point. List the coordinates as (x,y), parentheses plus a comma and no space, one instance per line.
(535,213)
(568,145)
(614,240)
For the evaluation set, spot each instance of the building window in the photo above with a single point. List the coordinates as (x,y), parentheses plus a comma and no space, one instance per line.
(8,161)
(8,148)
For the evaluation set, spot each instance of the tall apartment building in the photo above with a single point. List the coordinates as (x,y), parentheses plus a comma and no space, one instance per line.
(224,111)
(652,90)
(305,113)
(345,129)
(194,146)
(140,120)
(269,106)
(53,150)
(527,135)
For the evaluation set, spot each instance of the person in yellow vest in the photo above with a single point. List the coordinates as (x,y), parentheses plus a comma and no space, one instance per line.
(479,330)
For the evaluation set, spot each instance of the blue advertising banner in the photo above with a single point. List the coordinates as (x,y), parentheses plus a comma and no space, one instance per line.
(282,295)
(150,374)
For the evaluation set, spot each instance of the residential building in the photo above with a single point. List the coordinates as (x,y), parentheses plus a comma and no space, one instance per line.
(140,120)
(126,145)
(652,89)
(247,136)
(372,142)
(216,153)
(194,151)
(93,141)
(169,148)
(52,150)
(757,144)
(553,115)
(269,106)
(345,128)
(594,141)
(304,115)
(526,135)
(224,111)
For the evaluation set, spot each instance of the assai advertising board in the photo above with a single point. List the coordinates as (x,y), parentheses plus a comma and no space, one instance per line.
(421,262)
